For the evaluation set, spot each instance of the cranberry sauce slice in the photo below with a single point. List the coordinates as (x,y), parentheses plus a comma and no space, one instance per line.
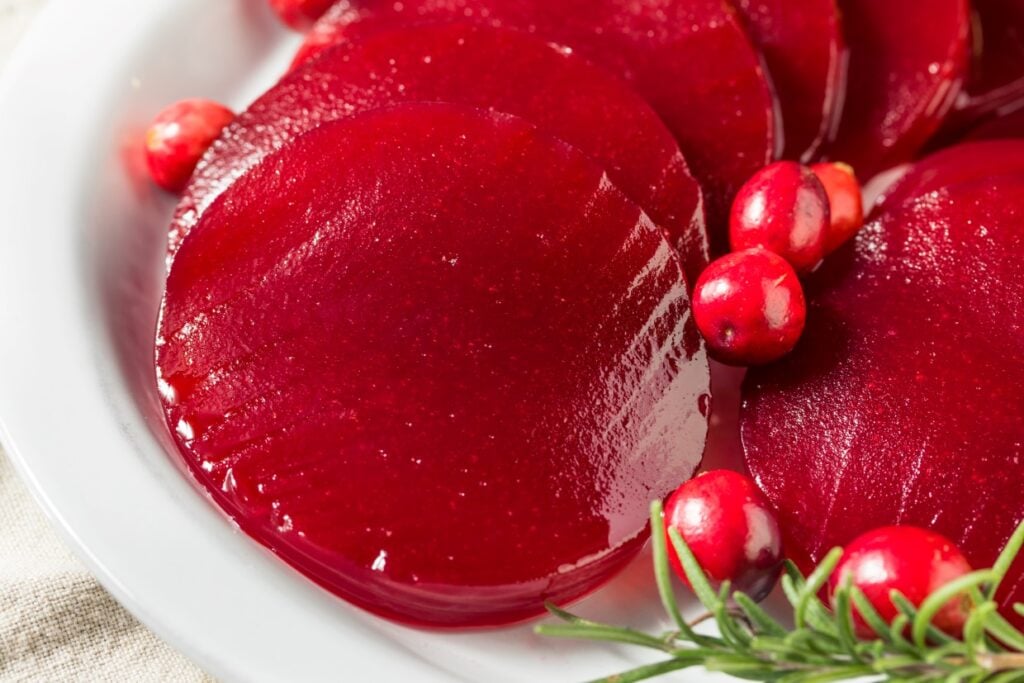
(951,166)
(1002,127)
(691,59)
(806,55)
(902,402)
(435,361)
(996,78)
(557,91)
(907,62)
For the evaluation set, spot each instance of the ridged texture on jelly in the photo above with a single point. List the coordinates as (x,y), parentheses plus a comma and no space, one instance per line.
(903,404)
(483,67)
(436,361)
(691,59)
(805,53)
(908,60)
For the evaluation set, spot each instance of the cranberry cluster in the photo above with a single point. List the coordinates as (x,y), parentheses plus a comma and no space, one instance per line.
(730,527)
(749,304)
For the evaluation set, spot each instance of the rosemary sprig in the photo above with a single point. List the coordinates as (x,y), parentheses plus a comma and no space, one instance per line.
(822,646)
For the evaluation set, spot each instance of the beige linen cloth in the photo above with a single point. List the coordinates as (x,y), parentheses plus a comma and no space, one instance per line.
(56,623)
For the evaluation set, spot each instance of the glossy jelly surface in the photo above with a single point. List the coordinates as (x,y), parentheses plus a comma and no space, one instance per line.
(1004,127)
(691,59)
(902,403)
(436,361)
(805,53)
(484,67)
(957,164)
(997,69)
(908,60)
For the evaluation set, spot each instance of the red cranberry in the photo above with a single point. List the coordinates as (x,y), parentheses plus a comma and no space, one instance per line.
(750,307)
(913,561)
(731,529)
(300,14)
(179,136)
(845,202)
(784,209)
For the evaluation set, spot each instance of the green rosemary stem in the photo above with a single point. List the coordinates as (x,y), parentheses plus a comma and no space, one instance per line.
(824,645)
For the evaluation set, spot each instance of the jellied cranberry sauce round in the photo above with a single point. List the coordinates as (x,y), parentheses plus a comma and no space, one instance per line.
(902,403)
(472,65)
(436,361)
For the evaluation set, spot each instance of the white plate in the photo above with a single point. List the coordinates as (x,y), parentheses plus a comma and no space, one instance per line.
(80,275)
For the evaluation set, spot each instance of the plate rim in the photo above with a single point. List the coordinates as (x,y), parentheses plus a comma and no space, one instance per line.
(33,71)
(343,641)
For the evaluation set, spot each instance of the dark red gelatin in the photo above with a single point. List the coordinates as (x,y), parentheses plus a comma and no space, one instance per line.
(996,79)
(902,404)
(805,53)
(489,68)
(435,361)
(951,166)
(1003,127)
(908,60)
(691,59)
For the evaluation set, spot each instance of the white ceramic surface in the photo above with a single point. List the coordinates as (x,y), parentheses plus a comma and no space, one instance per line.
(81,243)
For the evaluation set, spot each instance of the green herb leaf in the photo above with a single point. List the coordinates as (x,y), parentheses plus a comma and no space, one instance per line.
(663,579)
(761,620)
(824,645)
(941,597)
(1005,559)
